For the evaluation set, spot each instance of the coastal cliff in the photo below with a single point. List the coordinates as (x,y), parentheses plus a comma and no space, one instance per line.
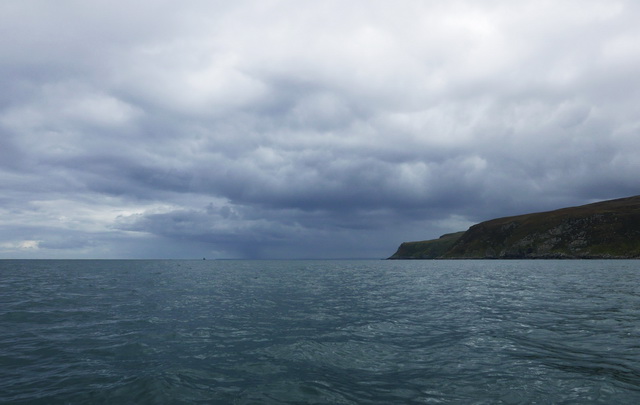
(603,230)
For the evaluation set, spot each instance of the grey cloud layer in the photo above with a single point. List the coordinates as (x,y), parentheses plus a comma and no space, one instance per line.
(305,129)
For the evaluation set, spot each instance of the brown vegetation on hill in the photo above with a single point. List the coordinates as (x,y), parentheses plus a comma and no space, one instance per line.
(607,229)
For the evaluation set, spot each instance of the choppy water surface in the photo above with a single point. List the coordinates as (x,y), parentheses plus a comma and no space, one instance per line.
(344,332)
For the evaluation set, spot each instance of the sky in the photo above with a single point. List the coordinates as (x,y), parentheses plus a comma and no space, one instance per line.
(291,129)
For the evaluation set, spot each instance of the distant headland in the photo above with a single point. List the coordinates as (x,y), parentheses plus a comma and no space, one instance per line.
(603,230)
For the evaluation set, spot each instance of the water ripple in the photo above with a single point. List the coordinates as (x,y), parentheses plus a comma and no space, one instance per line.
(354,332)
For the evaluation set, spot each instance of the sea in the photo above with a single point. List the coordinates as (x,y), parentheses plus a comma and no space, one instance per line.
(319,332)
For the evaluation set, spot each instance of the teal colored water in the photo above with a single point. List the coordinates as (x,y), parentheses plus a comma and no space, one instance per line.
(334,332)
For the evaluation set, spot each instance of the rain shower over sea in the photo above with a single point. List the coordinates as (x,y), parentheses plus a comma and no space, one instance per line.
(319,332)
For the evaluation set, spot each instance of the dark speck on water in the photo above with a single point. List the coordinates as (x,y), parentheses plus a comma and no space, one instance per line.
(323,332)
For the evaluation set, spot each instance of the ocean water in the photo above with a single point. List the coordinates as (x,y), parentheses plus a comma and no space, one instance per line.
(319,332)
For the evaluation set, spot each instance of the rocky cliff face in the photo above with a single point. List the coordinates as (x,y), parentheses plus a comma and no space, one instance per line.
(427,249)
(608,229)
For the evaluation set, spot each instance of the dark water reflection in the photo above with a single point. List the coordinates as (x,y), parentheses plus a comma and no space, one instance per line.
(319,332)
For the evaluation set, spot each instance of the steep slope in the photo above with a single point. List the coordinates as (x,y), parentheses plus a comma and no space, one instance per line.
(607,229)
(427,249)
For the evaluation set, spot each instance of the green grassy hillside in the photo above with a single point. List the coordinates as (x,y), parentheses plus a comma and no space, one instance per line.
(427,249)
(608,229)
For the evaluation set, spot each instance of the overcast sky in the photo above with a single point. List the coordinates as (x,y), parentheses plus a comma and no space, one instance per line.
(305,129)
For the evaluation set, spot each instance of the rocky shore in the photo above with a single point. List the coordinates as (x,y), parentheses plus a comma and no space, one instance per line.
(604,230)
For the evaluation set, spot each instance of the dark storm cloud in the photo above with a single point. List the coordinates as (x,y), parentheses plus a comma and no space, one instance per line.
(305,129)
